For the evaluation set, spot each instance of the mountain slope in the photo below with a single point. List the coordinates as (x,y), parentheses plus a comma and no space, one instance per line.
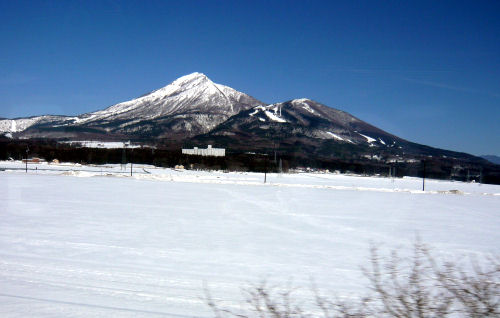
(192,96)
(195,110)
(310,128)
(492,158)
(20,124)
(190,105)
(305,118)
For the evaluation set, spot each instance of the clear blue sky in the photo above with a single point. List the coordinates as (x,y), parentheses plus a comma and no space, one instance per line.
(427,71)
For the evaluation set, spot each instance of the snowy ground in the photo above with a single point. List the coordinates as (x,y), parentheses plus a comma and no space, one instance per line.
(103,144)
(91,241)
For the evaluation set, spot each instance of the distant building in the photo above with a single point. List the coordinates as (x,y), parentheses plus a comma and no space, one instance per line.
(215,152)
(33,160)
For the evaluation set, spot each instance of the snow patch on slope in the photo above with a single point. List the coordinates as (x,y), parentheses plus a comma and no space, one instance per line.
(304,105)
(368,138)
(273,112)
(257,109)
(335,136)
(273,117)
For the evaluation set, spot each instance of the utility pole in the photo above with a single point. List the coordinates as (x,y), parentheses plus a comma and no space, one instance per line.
(423,179)
(131,163)
(124,160)
(265,171)
(27,150)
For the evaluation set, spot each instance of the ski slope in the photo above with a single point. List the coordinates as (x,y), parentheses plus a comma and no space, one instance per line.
(91,241)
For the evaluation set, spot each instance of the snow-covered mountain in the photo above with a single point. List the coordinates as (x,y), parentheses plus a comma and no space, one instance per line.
(316,120)
(18,125)
(190,105)
(307,128)
(194,109)
(306,118)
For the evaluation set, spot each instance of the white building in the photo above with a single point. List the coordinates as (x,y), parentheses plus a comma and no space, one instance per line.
(216,152)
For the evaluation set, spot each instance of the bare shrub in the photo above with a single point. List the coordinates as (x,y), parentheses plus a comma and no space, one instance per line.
(477,292)
(407,287)
(262,301)
(412,287)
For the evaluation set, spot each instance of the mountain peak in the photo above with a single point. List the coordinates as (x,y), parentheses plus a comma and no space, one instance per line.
(190,104)
(183,83)
(191,76)
(195,78)
(301,101)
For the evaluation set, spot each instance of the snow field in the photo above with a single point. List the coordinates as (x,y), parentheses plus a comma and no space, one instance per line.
(78,242)
(104,144)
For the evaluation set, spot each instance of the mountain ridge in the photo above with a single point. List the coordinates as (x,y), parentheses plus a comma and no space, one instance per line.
(492,158)
(194,99)
(194,109)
